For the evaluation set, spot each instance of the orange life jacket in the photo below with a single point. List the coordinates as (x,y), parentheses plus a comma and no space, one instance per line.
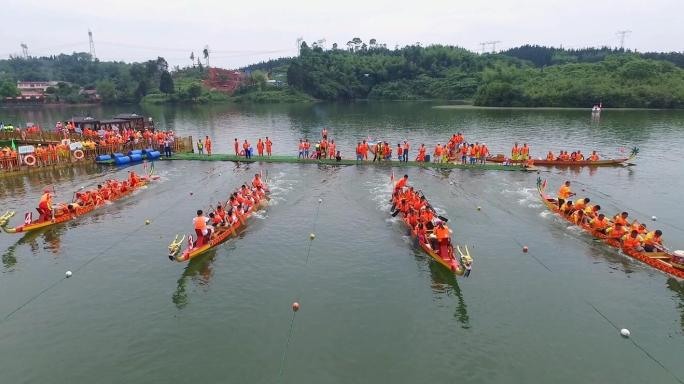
(441,232)
(564,192)
(200,222)
(631,242)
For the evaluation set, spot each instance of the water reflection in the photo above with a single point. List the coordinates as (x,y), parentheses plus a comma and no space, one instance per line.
(445,282)
(51,242)
(678,288)
(198,269)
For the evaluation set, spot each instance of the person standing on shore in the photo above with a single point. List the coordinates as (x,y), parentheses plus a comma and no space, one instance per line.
(406,151)
(260,147)
(245,147)
(167,147)
(200,147)
(307,146)
(300,155)
(236,145)
(207,143)
(269,146)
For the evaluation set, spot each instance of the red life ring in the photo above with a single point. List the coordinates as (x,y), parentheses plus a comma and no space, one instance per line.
(30,160)
(242,153)
(78,154)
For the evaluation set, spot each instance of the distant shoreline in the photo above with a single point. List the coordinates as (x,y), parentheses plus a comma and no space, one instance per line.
(587,109)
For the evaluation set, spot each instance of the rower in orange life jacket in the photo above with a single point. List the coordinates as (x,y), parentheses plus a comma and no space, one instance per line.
(133,178)
(616,231)
(594,156)
(653,241)
(202,230)
(401,183)
(600,223)
(564,193)
(442,233)
(550,156)
(256,182)
(621,219)
(45,205)
(632,241)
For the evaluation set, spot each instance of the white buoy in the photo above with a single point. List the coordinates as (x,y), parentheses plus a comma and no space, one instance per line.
(312,236)
(68,274)
(320,201)
(479,208)
(654,218)
(625,332)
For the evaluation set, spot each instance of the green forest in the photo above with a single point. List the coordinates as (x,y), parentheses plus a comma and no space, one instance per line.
(529,75)
(526,76)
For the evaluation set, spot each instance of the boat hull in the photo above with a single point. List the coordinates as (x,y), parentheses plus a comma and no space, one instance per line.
(658,260)
(72,215)
(451,262)
(220,237)
(558,163)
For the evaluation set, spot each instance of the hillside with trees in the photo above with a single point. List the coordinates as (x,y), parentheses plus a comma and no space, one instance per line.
(527,76)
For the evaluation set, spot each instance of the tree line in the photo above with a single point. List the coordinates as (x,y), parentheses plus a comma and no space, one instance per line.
(526,76)
(115,82)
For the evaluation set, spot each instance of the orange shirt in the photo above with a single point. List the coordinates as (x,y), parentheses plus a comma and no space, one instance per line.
(564,192)
(442,233)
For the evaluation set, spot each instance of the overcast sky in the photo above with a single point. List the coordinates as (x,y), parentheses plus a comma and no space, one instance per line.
(244,32)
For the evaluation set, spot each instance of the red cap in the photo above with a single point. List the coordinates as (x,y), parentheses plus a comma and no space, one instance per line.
(46,190)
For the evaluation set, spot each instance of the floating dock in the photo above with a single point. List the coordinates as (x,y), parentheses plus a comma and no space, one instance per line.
(384,163)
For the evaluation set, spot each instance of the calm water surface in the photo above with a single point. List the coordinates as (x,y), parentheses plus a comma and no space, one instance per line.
(374,307)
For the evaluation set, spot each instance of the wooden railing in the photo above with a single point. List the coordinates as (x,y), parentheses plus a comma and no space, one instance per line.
(63,157)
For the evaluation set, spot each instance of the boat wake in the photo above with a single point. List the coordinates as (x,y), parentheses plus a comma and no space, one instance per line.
(279,187)
(381,195)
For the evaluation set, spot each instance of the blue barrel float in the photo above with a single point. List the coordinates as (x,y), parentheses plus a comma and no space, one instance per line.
(121,160)
(103,158)
(153,155)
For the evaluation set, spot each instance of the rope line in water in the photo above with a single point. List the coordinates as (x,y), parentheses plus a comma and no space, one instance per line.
(642,349)
(281,371)
(102,252)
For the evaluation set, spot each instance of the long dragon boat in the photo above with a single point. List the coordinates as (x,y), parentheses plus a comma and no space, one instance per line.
(569,163)
(459,264)
(220,235)
(67,212)
(670,262)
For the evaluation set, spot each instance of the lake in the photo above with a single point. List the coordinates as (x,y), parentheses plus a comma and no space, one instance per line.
(374,307)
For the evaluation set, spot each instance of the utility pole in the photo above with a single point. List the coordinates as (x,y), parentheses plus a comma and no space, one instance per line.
(92,45)
(24,50)
(623,34)
(483,46)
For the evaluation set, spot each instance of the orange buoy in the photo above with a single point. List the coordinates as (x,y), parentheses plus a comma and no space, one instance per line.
(525,249)
(295,306)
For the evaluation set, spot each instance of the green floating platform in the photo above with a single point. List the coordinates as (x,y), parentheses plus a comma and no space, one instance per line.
(295,160)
